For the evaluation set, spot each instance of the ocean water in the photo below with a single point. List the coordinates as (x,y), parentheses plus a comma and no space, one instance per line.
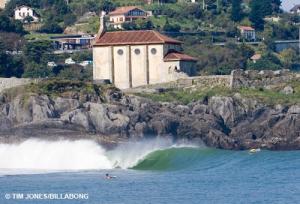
(146,172)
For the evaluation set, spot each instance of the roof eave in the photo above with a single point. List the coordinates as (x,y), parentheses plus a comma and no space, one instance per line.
(135,43)
(184,60)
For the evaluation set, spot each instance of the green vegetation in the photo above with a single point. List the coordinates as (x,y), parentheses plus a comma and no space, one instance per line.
(236,10)
(9,25)
(198,26)
(269,97)
(60,88)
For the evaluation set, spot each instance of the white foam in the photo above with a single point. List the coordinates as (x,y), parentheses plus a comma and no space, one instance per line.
(59,155)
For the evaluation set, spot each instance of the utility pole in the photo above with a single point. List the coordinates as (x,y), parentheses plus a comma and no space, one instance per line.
(203,4)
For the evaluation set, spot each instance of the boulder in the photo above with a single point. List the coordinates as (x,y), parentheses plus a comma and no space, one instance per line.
(287,90)
(62,105)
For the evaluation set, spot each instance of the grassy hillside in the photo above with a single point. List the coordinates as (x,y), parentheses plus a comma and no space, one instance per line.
(268,96)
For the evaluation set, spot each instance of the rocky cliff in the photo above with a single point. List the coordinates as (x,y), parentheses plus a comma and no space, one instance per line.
(109,116)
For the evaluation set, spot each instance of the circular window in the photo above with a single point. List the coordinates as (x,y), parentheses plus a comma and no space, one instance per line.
(137,51)
(153,51)
(120,52)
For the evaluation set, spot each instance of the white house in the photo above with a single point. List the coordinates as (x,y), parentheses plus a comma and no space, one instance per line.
(135,58)
(295,9)
(22,12)
(126,14)
(51,64)
(247,32)
(70,61)
(2,3)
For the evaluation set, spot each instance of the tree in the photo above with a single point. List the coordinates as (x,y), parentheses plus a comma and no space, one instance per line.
(129,26)
(69,19)
(51,27)
(37,51)
(13,41)
(268,61)
(107,6)
(8,25)
(9,64)
(257,14)
(236,11)
(34,70)
(289,57)
(171,27)
(28,19)
(276,4)
(144,24)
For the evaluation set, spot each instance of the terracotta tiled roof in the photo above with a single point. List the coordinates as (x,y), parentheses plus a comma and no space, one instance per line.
(138,37)
(246,28)
(176,56)
(123,10)
(256,57)
(19,7)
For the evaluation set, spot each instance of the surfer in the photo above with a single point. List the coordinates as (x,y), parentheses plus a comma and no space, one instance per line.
(107,176)
(254,150)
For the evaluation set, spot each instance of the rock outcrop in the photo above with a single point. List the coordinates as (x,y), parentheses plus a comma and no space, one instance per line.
(222,122)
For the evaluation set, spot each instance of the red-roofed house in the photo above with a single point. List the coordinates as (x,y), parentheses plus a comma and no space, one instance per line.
(135,58)
(295,9)
(255,57)
(247,32)
(126,14)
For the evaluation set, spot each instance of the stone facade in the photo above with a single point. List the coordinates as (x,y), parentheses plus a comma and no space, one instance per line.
(6,83)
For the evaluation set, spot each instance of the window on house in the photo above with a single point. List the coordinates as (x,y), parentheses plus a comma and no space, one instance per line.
(120,52)
(137,51)
(153,51)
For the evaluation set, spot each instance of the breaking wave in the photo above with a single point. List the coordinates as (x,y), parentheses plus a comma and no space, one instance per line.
(39,155)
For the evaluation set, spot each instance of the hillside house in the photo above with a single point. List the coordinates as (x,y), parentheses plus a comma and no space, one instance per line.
(22,12)
(135,58)
(2,3)
(296,9)
(126,14)
(255,58)
(72,42)
(247,33)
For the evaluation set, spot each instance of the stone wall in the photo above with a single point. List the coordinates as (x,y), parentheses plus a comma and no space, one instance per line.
(206,81)
(256,79)
(188,82)
(6,83)
(237,79)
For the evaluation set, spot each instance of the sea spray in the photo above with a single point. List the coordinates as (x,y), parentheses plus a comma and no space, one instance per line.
(49,155)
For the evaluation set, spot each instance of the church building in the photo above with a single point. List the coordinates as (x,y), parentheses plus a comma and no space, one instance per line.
(136,58)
